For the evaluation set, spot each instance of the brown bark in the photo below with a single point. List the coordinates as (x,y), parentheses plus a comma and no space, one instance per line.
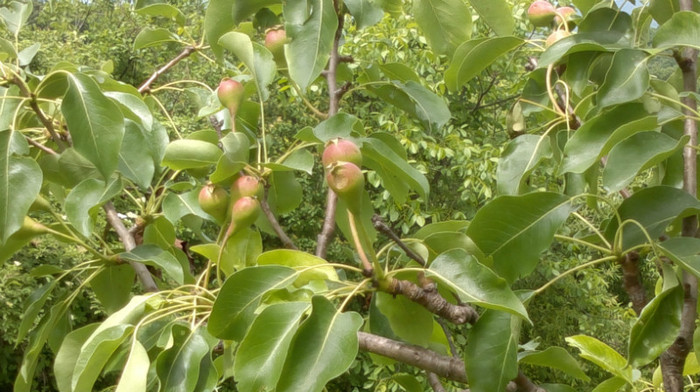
(632,281)
(434,302)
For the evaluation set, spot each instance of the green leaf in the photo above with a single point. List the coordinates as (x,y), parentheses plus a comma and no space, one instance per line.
(610,385)
(514,230)
(408,320)
(113,285)
(33,305)
(160,232)
(236,150)
(520,158)
(164,10)
(339,125)
(242,249)
(256,58)
(365,12)
(8,106)
(659,323)
(396,173)
(408,382)
(475,283)
(300,261)
(178,367)
(492,351)
(95,123)
(323,348)
(190,154)
(240,295)
(95,353)
(286,193)
(653,208)
(555,358)
(684,252)
(598,135)
(474,56)
(133,108)
(20,183)
(261,354)
(445,23)
(429,108)
(83,202)
(636,154)
(135,374)
(497,14)
(301,160)
(150,36)
(16,15)
(223,15)
(157,257)
(311,26)
(26,55)
(626,80)
(67,355)
(602,355)
(683,29)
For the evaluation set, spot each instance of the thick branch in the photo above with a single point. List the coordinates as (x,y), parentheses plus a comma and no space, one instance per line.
(286,241)
(434,382)
(129,243)
(673,359)
(632,281)
(434,302)
(328,225)
(147,84)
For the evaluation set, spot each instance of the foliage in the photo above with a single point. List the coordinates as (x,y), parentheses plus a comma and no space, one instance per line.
(568,173)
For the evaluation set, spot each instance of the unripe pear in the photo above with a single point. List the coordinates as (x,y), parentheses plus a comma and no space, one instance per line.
(541,13)
(566,13)
(348,182)
(341,150)
(214,201)
(274,42)
(244,212)
(30,226)
(556,36)
(230,93)
(245,186)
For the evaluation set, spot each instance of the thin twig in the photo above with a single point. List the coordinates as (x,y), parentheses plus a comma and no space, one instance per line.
(383,228)
(45,121)
(147,84)
(265,206)
(41,146)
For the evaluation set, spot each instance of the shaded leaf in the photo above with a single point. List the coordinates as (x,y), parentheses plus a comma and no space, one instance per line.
(492,351)
(556,358)
(520,158)
(445,23)
(408,320)
(472,57)
(178,367)
(84,200)
(157,257)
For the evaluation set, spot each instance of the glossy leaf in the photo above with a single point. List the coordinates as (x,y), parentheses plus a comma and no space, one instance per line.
(475,283)
(223,15)
(286,192)
(365,12)
(135,161)
(67,356)
(626,80)
(602,355)
(445,23)
(684,251)
(153,37)
(311,26)
(472,57)
(176,206)
(256,58)
(95,353)
(683,29)
(178,367)
(20,184)
(636,154)
(135,374)
(514,230)
(157,257)
(84,200)
(113,285)
(408,320)
(555,358)
(323,348)
(520,158)
(236,150)
(397,174)
(242,250)
(654,208)
(492,351)
(95,123)
(261,354)
(610,385)
(300,261)
(190,154)
(659,323)
(233,311)
(8,106)
(160,232)
(598,135)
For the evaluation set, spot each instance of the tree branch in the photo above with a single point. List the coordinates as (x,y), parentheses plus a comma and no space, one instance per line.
(382,227)
(433,301)
(129,243)
(673,359)
(632,281)
(434,382)
(328,227)
(45,121)
(145,86)
(286,241)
